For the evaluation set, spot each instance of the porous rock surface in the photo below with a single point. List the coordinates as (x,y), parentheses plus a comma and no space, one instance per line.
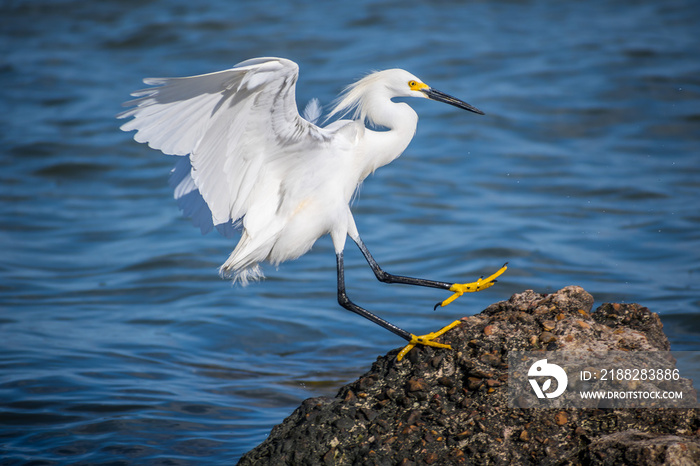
(447,407)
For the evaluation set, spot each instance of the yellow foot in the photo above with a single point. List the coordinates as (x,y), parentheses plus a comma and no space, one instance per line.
(427,340)
(481,284)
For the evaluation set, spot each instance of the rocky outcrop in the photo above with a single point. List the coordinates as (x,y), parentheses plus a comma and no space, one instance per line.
(451,407)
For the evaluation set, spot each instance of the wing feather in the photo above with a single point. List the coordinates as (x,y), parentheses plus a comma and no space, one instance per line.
(233,124)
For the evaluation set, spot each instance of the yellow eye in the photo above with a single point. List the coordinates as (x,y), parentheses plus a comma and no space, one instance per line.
(417,85)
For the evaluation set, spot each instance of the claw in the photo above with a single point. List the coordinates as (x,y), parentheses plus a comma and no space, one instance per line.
(427,340)
(481,284)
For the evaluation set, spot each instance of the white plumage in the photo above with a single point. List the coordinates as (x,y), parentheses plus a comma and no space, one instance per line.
(254,158)
(249,159)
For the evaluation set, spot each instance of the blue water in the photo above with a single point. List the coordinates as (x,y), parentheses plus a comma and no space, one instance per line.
(118,341)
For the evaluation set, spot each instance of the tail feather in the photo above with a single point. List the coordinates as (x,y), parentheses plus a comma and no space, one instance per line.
(243,263)
(244,276)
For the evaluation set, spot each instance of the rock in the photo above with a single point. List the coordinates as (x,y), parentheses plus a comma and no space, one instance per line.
(524,436)
(640,448)
(549,325)
(451,407)
(547,337)
(561,418)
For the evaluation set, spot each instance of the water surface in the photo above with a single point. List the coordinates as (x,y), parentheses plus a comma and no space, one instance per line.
(119,343)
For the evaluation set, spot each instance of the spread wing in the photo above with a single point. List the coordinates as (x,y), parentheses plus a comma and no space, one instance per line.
(233,124)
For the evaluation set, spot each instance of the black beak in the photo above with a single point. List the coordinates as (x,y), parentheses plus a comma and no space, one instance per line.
(448,99)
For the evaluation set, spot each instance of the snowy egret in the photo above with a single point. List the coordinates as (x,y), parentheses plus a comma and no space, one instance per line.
(251,162)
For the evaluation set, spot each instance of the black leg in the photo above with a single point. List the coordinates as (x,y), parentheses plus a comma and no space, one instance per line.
(385,277)
(457,288)
(344,301)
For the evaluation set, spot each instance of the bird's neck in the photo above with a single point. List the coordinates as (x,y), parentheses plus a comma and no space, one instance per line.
(383,146)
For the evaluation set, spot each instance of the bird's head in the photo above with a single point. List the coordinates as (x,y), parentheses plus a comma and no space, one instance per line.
(404,84)
(363,95)
(390,84)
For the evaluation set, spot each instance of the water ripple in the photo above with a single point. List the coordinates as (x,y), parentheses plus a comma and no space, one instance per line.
(119,343)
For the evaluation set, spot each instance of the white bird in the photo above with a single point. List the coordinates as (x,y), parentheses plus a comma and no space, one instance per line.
(250,161)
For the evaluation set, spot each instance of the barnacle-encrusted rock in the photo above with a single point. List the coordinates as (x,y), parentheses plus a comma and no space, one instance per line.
(451,407)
